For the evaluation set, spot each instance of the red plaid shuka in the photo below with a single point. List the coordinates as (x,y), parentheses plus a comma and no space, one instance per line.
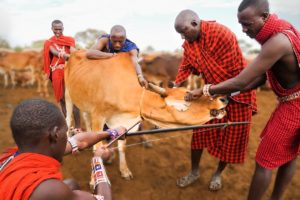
(57,76)
(217,56)
(280,141)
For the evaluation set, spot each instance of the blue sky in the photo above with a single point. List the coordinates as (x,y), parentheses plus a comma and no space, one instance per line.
(148,22)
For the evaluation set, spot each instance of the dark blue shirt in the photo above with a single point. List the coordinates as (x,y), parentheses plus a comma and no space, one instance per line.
(128,46)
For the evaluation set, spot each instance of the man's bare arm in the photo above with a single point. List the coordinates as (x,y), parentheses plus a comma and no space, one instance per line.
(260,80)
(138,69)
(271,52)
(96,51)
(87,139)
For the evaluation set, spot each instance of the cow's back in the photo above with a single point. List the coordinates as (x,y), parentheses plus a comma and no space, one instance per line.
(103,85)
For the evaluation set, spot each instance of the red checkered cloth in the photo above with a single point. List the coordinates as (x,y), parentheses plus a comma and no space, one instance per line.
(228,144)
(280,140)
(275,25)
(217,56)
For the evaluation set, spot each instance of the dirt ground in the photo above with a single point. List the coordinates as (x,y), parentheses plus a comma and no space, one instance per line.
(156,169)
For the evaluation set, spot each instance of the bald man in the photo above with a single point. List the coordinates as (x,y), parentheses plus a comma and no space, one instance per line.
(279,61)
(212,50)
(108,45)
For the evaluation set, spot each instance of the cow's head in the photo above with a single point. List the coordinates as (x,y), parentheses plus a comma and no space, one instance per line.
(169,109)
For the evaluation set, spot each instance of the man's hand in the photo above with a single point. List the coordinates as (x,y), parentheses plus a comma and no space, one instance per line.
(114,133)
(193,95)
(143,82)
(103,152)
(66,56)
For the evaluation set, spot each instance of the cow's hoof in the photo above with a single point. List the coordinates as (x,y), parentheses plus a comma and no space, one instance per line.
(127,175)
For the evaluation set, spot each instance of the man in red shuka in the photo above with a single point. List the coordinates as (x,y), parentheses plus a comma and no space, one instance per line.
(56,52)
(279,61)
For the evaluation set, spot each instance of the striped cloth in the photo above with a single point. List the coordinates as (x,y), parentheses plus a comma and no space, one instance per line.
(217,56)
(280,140)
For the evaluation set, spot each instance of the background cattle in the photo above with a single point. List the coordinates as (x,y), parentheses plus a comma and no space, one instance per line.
(161,69)
(24,68)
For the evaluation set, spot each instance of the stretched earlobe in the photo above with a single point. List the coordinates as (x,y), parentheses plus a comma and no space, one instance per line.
(53,136)
(265,16)
(194,23)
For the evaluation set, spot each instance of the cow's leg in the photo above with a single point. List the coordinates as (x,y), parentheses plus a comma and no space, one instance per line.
(38,79)
(5,80)
(69,108)
(5,76)
(45,85)
(12,75)
(125,172)
(87,121)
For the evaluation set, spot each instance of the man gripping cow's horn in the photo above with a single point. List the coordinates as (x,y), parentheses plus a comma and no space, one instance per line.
(115,42)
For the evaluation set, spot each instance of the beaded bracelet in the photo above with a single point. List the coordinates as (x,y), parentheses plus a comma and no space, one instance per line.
(98,171)
(98,197)
(113,133)
(206,90)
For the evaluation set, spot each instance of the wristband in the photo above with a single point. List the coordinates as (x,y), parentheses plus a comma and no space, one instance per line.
(73,143)
(206,90)
(98,197)
(113,133)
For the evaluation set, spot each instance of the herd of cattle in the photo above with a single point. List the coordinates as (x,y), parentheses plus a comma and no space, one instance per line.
(25,68)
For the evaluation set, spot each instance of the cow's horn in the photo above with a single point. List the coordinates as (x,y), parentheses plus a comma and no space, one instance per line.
(157,89)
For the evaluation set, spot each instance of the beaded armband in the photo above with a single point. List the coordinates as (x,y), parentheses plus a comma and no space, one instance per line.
(98,171)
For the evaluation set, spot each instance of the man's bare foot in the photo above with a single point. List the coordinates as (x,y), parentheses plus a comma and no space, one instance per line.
(215,182)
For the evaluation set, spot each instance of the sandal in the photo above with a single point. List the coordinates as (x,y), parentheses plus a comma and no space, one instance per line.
(187,180)
(215,183)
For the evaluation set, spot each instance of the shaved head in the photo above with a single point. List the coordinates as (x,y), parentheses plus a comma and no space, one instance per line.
(186,17)
(118,30)
(261,6)
(32,119)
(57,21)
(187,24)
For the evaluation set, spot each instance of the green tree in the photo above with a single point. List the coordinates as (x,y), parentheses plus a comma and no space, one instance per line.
(4,43)
(37,44)
(88,37)
(149,49)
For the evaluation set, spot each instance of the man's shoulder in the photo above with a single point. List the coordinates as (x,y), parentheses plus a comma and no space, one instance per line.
(52,189)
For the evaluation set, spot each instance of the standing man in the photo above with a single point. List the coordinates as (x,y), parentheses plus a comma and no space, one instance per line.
(279,59)
(32,171)
(116,42)
(212,50)
(56,52)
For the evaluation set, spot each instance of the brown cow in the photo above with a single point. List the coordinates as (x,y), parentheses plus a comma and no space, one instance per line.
(109,90)
(161,69)
(25,67)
